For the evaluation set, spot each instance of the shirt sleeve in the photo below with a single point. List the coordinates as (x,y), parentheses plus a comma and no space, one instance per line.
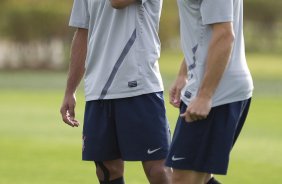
(80,15)
(216,11)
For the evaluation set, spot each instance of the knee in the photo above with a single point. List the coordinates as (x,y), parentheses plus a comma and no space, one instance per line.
(109,170)
(158,171)
(177,178)
(186,176)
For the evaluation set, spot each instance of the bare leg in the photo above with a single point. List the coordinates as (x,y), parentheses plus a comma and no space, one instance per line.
(208,177)
(188,177)
(109,170)
(157,172)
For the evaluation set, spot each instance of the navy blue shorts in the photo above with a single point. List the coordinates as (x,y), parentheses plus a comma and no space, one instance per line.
(133,129)
(205,145)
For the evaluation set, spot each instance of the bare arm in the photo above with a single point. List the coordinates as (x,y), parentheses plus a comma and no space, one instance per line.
(120,4)
(179,83)
(218,57)
(76,72)
(219,52)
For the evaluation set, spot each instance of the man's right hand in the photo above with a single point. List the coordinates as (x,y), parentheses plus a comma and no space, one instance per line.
(68,112)
(76,72)
(175,91)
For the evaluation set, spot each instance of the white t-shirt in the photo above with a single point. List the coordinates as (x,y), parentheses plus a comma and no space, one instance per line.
(123,48)
(195,19)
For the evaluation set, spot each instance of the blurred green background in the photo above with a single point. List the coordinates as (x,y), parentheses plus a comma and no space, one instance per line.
(37,148)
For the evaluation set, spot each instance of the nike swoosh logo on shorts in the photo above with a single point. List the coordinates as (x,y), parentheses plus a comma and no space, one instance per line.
(153,151)
(177,158)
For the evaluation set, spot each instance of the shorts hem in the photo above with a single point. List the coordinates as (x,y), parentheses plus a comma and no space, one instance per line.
(162,157)
(145,159)
(100,159)
(211,171)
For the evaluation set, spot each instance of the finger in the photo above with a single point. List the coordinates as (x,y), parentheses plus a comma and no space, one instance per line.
(173,101)
(193,117)
(68,115)
(176,105)
(72,122)
(177,96)
(65,116)
(197,116)
(75,123)
(68,121)
(171,95)
(71,112)
(183,114)
(186,116)
(202,117)
(72,116)
(192,114)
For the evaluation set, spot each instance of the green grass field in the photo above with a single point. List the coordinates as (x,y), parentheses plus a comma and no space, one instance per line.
(37,148)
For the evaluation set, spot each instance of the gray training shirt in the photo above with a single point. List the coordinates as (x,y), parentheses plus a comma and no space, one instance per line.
(195,19)
(123,48)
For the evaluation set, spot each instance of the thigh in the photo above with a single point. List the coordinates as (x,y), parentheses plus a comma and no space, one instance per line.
(142,126)
(242,118)
(99,132)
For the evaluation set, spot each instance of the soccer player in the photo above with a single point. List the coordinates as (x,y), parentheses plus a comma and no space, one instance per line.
(213,89)
(116,46)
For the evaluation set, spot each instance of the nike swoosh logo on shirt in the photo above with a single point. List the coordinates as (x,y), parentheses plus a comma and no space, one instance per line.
(153,151)
(177,158)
